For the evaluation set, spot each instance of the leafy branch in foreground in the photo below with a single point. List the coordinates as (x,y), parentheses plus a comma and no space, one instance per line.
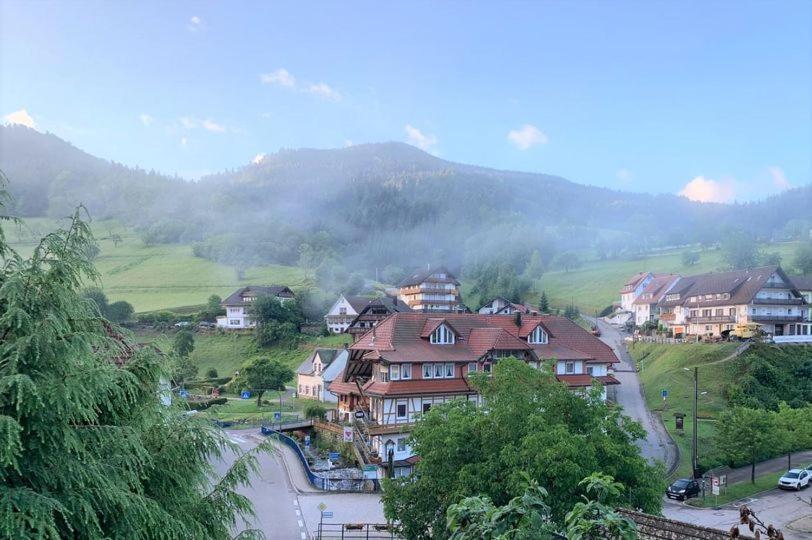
(87,450)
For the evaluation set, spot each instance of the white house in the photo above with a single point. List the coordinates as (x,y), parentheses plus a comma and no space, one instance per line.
(501,306)
(238,304)
(316,373)
(344,311)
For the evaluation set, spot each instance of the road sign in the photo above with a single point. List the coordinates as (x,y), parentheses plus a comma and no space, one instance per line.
(334,456)
(322,507)
(184,394)
(277,416)
(327,515)
(245,394)
(307,440)
(664,393)
(723,480)
(370,472)
(347,434)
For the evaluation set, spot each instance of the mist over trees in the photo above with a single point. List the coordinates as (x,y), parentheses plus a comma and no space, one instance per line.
(378,207)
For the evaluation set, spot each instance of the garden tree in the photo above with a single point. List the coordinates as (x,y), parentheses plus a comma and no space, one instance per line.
(276,321)
(120,311)
(567,261)
(315,411)
(263,374)
(213,309)
(571,312)
(87,450)
(184,343)
(116,238)
(533,424)
(690,258)
(499,279)
(746,435)
(595,516)
(211,373)
(181,369)
(803,258)
(544,303)
(739,250)
(97,296)
(794,428)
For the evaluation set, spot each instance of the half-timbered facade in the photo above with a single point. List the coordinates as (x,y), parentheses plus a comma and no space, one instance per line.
(411,362)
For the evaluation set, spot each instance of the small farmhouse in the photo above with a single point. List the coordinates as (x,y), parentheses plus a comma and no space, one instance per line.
(238,304)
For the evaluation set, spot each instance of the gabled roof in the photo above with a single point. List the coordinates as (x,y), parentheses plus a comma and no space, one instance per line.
(252,291)
(358,303)
(521,308)
(326,356)
(656,289)
(338,364)
(632,283)
(401,338)
(802,283)
(421,275)
(740,285)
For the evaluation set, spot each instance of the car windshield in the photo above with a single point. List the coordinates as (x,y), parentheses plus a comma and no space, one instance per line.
(791,475)
(679,484)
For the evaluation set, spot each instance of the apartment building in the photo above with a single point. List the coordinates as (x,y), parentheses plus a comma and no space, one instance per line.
(237,305)
(432,290)
(411,362)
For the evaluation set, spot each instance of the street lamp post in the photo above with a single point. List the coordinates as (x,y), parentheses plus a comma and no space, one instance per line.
(694,436)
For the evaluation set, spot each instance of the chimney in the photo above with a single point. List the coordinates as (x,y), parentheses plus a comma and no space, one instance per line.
(518,318)
(373,336)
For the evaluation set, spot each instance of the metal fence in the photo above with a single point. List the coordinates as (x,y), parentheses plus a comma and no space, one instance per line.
(359,485)
(350,531)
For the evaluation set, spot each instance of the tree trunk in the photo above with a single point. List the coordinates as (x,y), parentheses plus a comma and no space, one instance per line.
(753,472)
(259,398)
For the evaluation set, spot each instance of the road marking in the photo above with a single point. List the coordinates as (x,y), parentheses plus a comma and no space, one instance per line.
(303,536)
(298,514)
(301,524)
(295,502)
(236,439)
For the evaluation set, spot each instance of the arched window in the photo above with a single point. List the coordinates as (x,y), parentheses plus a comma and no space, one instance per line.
(538,336)
(442,336)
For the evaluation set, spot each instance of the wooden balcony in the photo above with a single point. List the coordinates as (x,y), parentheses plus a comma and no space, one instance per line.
(668,317)
(776,318)
(779,301)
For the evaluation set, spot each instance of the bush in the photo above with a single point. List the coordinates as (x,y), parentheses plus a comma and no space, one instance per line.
(212,373)
(203,405)
(315,411)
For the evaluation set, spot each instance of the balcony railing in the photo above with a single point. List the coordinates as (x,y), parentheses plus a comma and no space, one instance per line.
(704,319)
(779,301)
(770,285)
(776,318)
(667,317)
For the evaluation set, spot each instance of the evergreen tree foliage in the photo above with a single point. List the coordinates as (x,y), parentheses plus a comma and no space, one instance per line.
(87,450)
(544,303)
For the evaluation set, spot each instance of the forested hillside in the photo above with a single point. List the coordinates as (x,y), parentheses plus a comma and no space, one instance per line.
(385,206)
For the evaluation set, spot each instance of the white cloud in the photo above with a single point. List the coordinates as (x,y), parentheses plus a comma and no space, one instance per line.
(184,141)
(189,122)
(195,24)
(324,91)
(779,178)
(347,143)
(210,125)
(20,117)
(259,158)
(417,138)
(281,77)
(526,136)
(703,189)
(146,119)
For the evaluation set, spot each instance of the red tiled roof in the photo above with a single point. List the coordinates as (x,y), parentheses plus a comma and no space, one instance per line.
(656,288)
(585,379)
(398,338)
(338,386)
(607,379)
(418,386)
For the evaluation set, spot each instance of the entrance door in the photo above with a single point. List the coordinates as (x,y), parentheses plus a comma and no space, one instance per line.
(779,329)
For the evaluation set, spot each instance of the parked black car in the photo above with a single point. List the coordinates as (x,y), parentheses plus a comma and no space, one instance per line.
(682,489)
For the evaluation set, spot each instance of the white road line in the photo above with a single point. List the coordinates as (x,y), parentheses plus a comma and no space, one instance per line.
(301,524)
(298,514)
(236,439)
(295,502)
(303,536)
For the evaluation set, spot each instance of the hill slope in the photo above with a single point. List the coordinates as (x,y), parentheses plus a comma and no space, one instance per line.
(370,206)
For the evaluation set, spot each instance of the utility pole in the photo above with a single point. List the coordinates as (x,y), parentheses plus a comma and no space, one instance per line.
(694,439)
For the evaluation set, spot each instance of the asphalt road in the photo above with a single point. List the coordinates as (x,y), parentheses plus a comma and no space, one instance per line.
(286,507)
(788,510)
(656,446)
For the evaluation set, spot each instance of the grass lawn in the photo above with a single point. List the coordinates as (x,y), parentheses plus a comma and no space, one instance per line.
(246,409)
(226,352)
(738,491)
(156,277)
(663,369)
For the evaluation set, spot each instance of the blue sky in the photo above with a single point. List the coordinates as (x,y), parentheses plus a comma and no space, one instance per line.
(640,96)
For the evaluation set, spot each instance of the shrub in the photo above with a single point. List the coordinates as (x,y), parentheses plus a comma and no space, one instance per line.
(315,411)
(212,373)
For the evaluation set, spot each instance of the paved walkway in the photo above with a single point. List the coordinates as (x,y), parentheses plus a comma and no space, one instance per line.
(657,445)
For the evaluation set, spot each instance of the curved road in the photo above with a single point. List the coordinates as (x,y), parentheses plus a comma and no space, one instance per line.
(657,446)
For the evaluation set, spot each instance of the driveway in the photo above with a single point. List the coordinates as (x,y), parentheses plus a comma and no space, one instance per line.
(789,511)
(286,506)
(657,445)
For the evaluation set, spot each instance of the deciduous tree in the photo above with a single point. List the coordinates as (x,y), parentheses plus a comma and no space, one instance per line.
(262,375)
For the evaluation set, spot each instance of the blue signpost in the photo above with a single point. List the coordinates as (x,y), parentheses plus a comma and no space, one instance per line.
(334,456)
(307,440)
(664,393)
(245,394)
(184,393)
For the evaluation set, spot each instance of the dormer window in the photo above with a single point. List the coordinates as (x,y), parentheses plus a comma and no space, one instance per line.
(538,336)
(442,336)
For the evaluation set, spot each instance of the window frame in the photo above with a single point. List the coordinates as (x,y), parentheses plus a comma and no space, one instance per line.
(405,406)
(394,372)
(439,370)
(404,369)
(569,368)
(476,366)
(446,367)
(428,370)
